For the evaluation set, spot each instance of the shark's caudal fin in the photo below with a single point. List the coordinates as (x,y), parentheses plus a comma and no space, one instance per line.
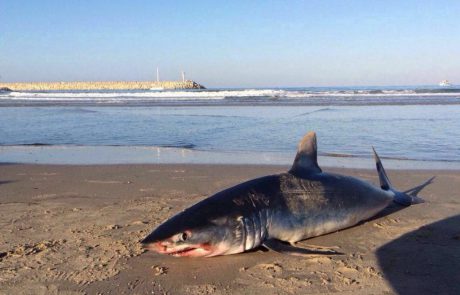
(305,162)
(405,198)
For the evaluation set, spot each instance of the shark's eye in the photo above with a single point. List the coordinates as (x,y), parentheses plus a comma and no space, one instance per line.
(183,236)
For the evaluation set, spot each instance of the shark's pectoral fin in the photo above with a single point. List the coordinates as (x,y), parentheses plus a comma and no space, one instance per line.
(285,248)
(306,162)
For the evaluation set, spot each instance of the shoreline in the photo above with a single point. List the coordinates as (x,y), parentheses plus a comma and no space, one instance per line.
(76,228)
(133,155)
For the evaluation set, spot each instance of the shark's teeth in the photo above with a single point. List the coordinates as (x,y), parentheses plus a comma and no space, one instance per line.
(179,252)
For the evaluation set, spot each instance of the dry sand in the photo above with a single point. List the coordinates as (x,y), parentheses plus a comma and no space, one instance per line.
(75,230)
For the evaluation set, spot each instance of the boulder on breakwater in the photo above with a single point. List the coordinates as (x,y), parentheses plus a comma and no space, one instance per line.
(5,89)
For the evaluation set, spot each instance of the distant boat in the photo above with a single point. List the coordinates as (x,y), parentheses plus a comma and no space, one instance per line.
(444,83)
(157,89)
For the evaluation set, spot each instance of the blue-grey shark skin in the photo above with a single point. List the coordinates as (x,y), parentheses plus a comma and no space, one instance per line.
(302,203)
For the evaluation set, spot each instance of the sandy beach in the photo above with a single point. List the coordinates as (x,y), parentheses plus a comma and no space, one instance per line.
(105,135)
(76,230)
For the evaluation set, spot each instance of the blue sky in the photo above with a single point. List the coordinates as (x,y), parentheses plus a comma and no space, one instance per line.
(232,43)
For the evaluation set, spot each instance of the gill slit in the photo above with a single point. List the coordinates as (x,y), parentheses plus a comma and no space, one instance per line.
(244,233)
(250,233)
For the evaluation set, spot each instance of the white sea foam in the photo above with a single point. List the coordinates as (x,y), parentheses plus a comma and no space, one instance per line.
(216,95)
(175,95)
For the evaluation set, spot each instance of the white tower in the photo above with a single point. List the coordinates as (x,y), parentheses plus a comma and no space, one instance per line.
(183,76)
(158,75)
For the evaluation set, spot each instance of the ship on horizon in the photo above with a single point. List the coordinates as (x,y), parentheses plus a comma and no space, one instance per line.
(445,83)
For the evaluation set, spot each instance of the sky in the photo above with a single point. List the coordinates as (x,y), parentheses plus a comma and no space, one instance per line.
(232,43)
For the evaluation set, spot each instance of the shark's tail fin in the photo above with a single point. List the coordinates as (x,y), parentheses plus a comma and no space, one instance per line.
(405,198)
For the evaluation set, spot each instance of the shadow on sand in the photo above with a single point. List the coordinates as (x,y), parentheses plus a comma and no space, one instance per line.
(6,181)
(425,261)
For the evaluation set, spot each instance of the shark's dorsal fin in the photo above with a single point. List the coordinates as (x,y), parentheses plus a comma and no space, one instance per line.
(305,162)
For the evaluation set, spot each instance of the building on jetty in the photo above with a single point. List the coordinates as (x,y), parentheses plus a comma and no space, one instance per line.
(110,85)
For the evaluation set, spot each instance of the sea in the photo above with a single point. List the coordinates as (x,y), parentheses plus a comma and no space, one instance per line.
(411,127)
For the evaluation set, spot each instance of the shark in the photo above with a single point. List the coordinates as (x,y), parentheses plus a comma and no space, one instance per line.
(277,211)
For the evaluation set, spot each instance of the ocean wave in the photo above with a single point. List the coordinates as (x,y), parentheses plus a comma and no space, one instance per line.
(245,94)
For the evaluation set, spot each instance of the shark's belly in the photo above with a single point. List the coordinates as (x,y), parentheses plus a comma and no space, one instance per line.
(296,228)
(310,216)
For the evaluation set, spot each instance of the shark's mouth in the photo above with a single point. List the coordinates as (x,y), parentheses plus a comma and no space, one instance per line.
(183,252)
(198,250)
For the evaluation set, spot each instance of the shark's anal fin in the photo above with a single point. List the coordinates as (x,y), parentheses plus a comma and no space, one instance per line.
(285,248)
(306,162)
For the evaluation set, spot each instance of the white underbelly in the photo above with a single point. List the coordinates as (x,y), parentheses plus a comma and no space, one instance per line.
(295,231)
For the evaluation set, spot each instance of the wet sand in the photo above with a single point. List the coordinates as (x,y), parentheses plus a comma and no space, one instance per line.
(75,230)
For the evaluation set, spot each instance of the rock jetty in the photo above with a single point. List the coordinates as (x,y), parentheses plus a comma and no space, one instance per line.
(5,89)
(110,85)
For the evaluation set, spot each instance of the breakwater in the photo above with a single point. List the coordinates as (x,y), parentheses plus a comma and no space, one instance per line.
(107,85)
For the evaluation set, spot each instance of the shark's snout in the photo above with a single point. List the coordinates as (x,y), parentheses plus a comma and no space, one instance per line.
(157,247)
